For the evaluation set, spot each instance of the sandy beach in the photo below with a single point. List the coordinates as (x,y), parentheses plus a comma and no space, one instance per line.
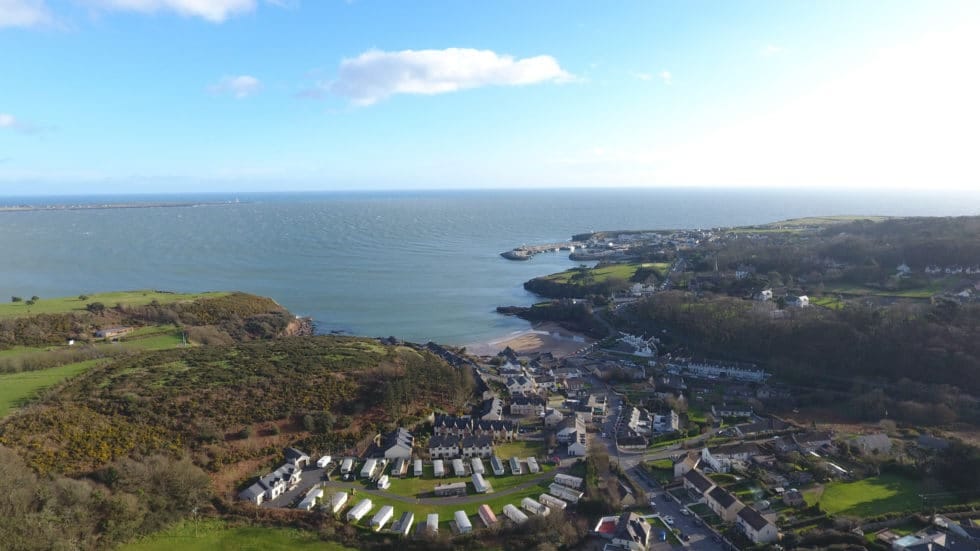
(541,337)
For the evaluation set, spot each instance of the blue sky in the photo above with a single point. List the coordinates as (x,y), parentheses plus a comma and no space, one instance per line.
(244,95)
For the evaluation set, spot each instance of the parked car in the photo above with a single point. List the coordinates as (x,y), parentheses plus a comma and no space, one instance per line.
(685,512)
(663,536)
(669,520)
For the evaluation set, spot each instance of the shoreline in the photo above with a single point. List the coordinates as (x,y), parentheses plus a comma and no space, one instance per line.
(539,338)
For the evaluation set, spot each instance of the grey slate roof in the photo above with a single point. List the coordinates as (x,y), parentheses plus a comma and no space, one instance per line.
(700,482)
(753,518)
(722,497)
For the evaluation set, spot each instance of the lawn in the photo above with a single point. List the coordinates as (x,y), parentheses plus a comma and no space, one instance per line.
(15,388)
(868,497)
(934,287)
(216,535)
(413,486)
(825,301)
(622,271)
(73,304)
(521,448)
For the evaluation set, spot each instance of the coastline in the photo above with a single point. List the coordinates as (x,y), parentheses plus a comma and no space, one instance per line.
(541,337)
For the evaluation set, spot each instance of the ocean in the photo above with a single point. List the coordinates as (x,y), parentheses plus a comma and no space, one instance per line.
(417,265)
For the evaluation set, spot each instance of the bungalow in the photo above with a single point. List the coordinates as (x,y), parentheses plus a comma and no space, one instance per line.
(394,445)
(444,447)
(477,446)
(723,503)
(685,463)
(520,385)
(113,332)
(793,498)
(528,405)
(756,527)
(695,481)
(764,295)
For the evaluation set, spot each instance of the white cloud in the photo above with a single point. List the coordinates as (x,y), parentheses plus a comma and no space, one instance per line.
(23,13)
(241,86)
(376,75)
(11,122)
(215,11)
(770,50)
(666,77)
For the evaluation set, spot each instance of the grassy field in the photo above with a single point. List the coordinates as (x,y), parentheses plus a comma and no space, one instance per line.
(622,271)
(934,287)
(422,487)
(215,535)
(72,304)
(830,302)
(868,497)
(17,387)
(521,448)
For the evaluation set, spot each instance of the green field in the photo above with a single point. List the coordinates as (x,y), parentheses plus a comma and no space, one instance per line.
(521,448)
(825,301)
(934,287)
(868,497)
(412,486)
(215,535)
(75,304)
(15,388)
(599,275)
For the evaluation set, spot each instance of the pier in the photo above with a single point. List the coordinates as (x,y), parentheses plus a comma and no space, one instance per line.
(525,252)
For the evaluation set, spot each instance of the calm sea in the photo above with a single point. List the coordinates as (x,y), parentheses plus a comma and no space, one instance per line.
(418,265)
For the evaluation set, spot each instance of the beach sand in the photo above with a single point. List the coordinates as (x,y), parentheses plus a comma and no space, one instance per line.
(542,337)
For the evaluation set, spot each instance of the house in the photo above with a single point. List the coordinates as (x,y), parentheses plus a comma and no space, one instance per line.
(579,447)
(444,447)
(576,387)
(666,422)
(723,503)
(477,446)
(625,494)
(296,458)
(520,384)
(873,444)
(696,482)
(394,445)
(630,532)
(721,459)
(490,410)
(445,425)
(528,405)
(546,382)
(273,485)
(756,527)
(669,385)
(794,301)
(449,490)
(569,429)
(686,463)
(553,417)
(496,430)
(793,498)
(731,409)
(812,440)
(764,295)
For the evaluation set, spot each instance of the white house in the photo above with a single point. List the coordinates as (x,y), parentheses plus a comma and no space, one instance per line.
(477,446)
(756,527)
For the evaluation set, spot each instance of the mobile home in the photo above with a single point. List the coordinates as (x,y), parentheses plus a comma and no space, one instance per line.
(418,467)
(359,510)
(323,461)
(532,465)
(384,483)
(477,464)
(568,480)
(486,515)
(514,514)
(346,466)
(535,508)
(337,502)
(462,522)
(438,468)
(382,517)
(404,524)
(515,466)
(564,492)
(432,523)
(496,466)
(480,484)
(553,502)
(458,468)
(367,471)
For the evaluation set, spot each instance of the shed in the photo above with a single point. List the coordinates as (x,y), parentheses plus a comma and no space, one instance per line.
(463,524)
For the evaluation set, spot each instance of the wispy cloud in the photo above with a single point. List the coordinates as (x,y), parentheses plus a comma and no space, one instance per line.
(23,13)
(241,86)
(666,77)
(770,50)
(215,11)
(375,75)
(10,122)
(646,77)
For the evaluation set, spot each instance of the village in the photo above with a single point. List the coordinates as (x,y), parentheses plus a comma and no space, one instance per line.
(699,463)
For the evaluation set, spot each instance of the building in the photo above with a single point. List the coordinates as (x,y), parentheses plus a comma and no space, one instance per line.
(718,370)
(569,430)
(532,465)
(530,405)
(459,469)
(520,385)
(417,467)
(553,417)
(756,527)
(553,502)
(625,494)
(396,444)
(450,425)
(564,492)
(685,463)
(569,481)
(323,461)
(731,409)
(721,459)
(628,531)
(274,484)
(496,466)
(873,444)
(477,446)
(480,485)
(801,301)
(113,332)
(514,514)
(296,458)
(337,502)
(438,468)
(723,503)
(696,482)
(486,515)
(382,517)
(477,465)
(369,468)
(463,525)
(666,422)
(515,466)
(400,468)
(534,507)
(359,510)
(404,524)
(432,523)
(812,440)
(448,490)
(444,447)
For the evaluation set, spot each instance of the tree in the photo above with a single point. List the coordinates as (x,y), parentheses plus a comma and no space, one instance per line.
(16,299)
(95,307)
(35,298)
(82,297)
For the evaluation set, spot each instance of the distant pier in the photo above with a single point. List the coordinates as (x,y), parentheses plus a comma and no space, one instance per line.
(525,252)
